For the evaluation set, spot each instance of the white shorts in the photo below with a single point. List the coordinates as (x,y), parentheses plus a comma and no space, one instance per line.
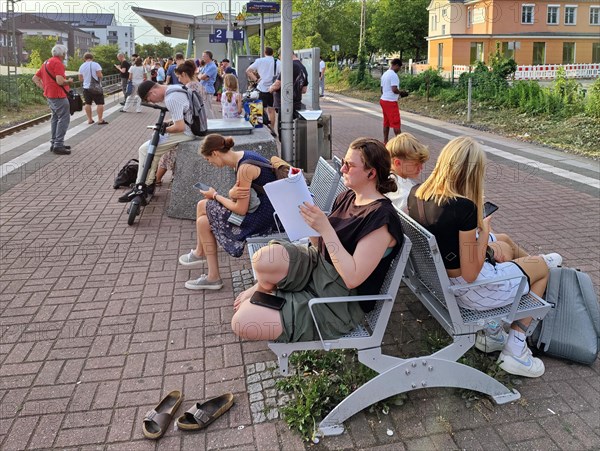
(493,295)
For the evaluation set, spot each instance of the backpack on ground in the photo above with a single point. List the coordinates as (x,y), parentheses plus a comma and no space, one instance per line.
(570,330)
(199,124)
(127,175)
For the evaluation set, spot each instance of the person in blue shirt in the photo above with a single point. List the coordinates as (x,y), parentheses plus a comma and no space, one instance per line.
(208,72)
(171,77)
(226,67)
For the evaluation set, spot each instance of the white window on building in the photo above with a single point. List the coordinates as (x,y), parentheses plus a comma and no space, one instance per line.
(527,14)
(553,14)
(469,17)
(570,15)
(443,29)
(434,21)
(594,15)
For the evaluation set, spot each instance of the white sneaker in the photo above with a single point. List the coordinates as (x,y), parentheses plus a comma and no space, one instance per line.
(490,343)
(523,365)
(202,283)
(553,259)
(190,260)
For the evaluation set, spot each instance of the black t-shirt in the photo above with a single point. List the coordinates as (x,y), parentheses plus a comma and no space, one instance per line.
(125,65)
(300,79)
(444,222)
(353,222)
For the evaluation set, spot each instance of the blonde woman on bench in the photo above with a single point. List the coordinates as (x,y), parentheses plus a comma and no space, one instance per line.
(450,205)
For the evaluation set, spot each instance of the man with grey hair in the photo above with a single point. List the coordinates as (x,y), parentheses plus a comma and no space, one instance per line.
(52,79)
(123,68)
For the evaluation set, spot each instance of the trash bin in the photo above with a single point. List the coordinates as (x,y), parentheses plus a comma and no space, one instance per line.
(312,138)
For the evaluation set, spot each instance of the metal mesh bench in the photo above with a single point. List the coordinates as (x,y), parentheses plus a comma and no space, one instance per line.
(366,338)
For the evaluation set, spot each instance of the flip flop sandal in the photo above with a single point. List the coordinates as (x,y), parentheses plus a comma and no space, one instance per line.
(102,123)
(201,415)
(156,421)
(90,123)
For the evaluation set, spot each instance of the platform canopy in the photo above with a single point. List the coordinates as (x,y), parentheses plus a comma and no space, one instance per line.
(204,24)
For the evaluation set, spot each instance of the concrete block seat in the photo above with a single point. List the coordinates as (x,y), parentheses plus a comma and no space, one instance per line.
(192,168)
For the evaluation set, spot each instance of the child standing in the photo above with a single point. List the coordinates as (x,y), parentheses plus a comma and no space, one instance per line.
(231,99)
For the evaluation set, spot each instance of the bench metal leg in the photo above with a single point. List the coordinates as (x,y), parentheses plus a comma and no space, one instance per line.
(423,372)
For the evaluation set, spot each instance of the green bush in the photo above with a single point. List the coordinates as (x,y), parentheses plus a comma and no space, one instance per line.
(592,104)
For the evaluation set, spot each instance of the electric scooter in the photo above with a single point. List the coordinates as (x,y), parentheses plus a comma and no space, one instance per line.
(140,196)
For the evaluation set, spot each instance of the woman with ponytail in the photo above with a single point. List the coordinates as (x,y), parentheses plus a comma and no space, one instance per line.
(187,76)
(231,99)
(356,246)
(229,220)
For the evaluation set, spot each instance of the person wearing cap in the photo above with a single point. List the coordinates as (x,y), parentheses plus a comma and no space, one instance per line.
(176,101)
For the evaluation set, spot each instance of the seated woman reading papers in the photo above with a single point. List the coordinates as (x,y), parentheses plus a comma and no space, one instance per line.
(358,242)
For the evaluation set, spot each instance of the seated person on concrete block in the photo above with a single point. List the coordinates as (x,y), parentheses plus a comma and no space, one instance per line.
(228,221)
(358,241)
(178,105)
(450,205)
(408,157)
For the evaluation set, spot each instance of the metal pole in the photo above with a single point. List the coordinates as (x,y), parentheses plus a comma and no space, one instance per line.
(470,86)
(229,40)
(287,121)
(262,35)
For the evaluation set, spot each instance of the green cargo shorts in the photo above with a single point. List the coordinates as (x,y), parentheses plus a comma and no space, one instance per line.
(310,276)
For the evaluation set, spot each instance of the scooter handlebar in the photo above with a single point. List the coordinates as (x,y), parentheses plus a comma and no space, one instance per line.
(156,107)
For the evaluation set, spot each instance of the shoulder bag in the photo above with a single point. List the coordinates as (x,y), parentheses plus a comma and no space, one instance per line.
(95,85)
(75,102)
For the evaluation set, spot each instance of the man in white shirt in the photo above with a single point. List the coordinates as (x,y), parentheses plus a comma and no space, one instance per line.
(321,78)
(268,69)
(87,71)
(389,99)
(176,101)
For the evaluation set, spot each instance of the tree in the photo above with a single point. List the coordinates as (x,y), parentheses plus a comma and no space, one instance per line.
(401,26)
(163,49)
(106,56)
(181,47)
(41,45)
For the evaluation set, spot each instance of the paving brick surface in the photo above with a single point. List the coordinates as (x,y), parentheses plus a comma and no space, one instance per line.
(96,326)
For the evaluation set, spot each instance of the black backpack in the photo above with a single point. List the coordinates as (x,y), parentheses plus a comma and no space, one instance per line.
(199,124)
(127,175)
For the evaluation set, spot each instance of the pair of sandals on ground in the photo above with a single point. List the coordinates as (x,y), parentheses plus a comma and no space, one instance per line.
(156,422)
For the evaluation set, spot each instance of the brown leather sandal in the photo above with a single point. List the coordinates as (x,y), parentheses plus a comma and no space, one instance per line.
(201,415)
(157,420)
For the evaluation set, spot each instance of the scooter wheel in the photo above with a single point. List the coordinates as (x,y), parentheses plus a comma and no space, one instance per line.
(134,210)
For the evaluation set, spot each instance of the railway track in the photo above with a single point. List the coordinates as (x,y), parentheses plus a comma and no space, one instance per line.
(38,120)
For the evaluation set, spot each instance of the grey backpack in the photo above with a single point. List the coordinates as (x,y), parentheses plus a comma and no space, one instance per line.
(570,330)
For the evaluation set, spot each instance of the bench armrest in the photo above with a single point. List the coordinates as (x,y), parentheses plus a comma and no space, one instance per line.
(334,300)
(515,303)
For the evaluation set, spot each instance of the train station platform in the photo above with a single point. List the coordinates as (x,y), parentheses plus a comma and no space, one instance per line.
(96,325)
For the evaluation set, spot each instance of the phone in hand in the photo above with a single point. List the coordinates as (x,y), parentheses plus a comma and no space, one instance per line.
(489,208)
(267,300)
(202,186)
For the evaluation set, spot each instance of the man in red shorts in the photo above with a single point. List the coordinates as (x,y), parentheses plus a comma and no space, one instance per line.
(389,99)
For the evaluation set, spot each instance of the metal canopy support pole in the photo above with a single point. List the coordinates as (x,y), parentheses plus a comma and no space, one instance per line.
(262,35)
(229,40)
(287,124)
(190,43)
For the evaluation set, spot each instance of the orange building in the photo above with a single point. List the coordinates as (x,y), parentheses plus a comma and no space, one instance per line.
(462,32)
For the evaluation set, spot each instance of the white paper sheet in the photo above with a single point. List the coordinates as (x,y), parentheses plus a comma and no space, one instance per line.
(285,196)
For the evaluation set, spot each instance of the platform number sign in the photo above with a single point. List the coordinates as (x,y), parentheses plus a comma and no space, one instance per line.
(219,36)
(238,35)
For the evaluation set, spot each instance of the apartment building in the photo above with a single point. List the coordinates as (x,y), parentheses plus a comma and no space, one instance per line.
(462,32)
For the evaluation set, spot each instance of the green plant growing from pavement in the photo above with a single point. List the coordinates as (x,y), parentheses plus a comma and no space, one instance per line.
(592,105)
(322,380)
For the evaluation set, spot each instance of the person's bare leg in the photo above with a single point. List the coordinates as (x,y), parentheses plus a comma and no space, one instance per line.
(386,134)
(271,114)
(517,251)
(209,245)
(200,211)
(244,296)
(160,173)
(537,270)
(100,111)
(88,112)
(397,131)
(254,322)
